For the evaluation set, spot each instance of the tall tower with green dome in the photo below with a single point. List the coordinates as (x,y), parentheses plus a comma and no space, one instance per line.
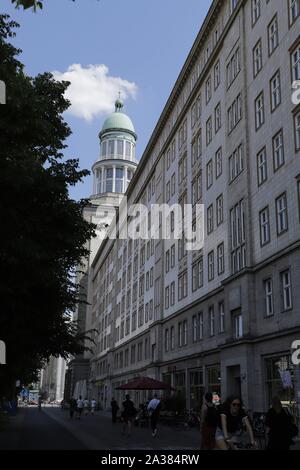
(116,164)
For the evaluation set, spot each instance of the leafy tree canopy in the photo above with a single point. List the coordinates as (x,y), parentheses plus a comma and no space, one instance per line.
(44,235)
(35,4)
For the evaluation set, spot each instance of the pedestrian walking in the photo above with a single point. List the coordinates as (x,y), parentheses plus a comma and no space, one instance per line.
(128,414)
(208,423)
(93,406)
(73,407)
(79,407)
(86,406)
(154,410)
(40,403)
(280,427)
(114,410)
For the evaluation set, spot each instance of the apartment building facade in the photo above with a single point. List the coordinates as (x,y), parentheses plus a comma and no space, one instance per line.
(222,318)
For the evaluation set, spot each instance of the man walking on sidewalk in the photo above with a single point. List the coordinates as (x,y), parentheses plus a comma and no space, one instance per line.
(154,409)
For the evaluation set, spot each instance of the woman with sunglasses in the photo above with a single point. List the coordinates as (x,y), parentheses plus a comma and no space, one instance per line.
(232,420)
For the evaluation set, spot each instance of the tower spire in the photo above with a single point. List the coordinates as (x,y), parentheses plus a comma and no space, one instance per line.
(119,105)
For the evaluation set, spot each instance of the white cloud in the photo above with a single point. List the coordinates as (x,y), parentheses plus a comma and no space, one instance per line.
(93,91)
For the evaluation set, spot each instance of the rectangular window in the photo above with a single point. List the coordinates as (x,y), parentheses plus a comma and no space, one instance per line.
(196,111)
(167,340)
(273,36)
(132,358)
(208,90)
(233,5)
(167,297)
(172,295)
(259,111)
(167,261)
(286,290)
(185,327)
(182,286)
(182,136)
(201,325)
(278,150)
(197,274)
(217,75)
(220,258)
(208,131)
(218,163)
(172,256)
(238,241)
(257,58)
(255,11)
(218,118)
(297,130)
(234,113)
(236,163)
(233,67)
(275,91)
(294,10)
(211,265)
(219,209)
(141,316)
(264,225)
(262,169)
(151,310)
(182,169)
(209,174)
(197,148)
(295,60)
(172,338)
(168,158)
(180,329)
(173,184)
(211,314)
(168,191)
(195,328)
(268,288)
(221,317)
(281,214)
(210,219)
(238,326)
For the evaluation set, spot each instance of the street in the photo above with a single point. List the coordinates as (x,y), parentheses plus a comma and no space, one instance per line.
(52,429)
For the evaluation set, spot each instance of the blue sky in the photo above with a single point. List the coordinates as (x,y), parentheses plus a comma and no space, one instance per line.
(144,42)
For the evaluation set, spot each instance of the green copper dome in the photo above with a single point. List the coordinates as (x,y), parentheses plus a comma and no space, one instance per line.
(118,121)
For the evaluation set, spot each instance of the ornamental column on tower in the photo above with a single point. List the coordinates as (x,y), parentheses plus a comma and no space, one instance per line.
(116,164)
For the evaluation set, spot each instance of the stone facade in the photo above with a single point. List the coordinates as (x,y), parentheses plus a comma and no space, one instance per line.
(222,318)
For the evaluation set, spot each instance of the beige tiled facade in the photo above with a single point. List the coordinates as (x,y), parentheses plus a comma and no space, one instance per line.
(227,323)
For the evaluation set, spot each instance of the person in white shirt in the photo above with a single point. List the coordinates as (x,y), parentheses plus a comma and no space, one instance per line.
(93,406)
(79,406)
(86,405)
(154,409)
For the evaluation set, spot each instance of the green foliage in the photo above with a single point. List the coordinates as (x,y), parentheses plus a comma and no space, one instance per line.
(35,4)
(42,229)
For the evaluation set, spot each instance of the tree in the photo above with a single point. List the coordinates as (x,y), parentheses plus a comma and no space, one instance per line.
(35,4)
(42,229)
